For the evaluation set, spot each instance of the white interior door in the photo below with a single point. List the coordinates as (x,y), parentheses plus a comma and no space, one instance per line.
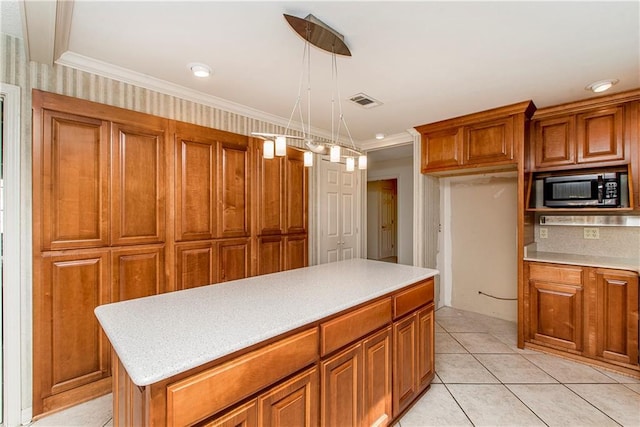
(338,213)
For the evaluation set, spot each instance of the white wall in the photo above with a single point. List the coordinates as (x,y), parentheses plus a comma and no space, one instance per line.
(480,226)
(402,170)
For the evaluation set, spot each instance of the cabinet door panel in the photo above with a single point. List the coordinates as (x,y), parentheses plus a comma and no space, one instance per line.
(599,135)
(138,193)
(441,150)
(341,390)
(489,142)
(377,379)
(271,195)
(554,142)
(293,403)
(617,330)
(295,252)
(233,259)
(72,349)
(233,189)
(194,265)
(556,314)
(137,272)
(74,176)
(405,365)
(426,351)
(195,192)
(243,416)
(270,257)
(296,186)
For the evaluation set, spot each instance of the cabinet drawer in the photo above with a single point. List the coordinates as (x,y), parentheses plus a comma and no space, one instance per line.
(413,298)
(208,392)
(557,274)
(351,326)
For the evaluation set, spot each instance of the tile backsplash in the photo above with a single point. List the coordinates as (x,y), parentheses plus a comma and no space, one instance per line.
(621,242)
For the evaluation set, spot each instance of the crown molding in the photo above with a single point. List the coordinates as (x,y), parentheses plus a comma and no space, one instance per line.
(401,138)
(115,72)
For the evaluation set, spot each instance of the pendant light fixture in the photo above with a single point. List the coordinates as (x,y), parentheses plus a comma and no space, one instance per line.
(316,33)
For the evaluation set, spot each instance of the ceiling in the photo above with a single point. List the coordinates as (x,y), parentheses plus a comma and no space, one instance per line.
(425,61)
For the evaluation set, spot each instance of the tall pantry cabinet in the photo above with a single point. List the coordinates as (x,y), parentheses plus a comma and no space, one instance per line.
(127,205)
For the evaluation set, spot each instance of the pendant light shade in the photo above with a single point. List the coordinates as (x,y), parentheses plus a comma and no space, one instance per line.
(350,164)
(362,162)
(308,159)
(267,149)
(334,156)
(281,146)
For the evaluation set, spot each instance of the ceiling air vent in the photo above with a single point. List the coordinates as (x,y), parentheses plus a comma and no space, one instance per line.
(364,100)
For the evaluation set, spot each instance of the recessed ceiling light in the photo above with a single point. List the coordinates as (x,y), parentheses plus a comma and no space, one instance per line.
(199,70)
(379,135)
(601,85)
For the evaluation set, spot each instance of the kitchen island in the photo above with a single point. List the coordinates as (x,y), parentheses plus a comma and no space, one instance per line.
(313,346)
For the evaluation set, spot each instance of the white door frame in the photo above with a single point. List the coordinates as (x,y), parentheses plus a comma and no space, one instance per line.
(14,286)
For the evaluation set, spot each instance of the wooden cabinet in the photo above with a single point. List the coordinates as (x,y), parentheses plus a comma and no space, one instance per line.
(74,353)
(137,272)
(588,312)
(556,305)
(71,155)
(356,384)
(233,259)
(233,186)
(194,265)
(293,403)
(490,139)
(617,315)
(270,254)
(195,180)
(137,186)
(170,204)
(243,416)
(590,133)
(295,251)
(414,362)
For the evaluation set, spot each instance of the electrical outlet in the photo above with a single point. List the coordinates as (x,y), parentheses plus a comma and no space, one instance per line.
(591,233)
(543,233)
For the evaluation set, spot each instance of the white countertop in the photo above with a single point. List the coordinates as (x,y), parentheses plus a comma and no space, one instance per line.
(585,260)
(163,335)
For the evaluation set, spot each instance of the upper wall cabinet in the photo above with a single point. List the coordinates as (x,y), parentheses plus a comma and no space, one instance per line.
(491,139)
(590,133)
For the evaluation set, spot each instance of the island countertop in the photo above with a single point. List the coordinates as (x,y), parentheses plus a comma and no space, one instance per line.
(163,335)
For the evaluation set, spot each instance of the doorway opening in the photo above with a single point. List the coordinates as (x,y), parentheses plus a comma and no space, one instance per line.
(382,223)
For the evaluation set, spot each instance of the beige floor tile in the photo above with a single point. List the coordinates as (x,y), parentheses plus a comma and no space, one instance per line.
(556,405)
(500,326)
(634,387)
(622,379)
(511,340)
(568,371)
(462,368)
(436,380)
(445,343)
(514,369)
(481,343)
(615,400)
(460,324)
(439,328)
(95,413)
(435,408)
(492,405)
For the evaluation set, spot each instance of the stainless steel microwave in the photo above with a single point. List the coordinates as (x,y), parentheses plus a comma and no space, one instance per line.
(607,189)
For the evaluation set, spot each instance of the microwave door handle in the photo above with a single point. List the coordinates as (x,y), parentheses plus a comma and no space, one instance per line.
(600,189)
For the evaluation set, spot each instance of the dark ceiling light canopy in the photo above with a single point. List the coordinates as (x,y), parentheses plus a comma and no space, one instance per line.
(319,34)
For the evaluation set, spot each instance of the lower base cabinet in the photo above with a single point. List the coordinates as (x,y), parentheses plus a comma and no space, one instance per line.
(588,312)
(356,384)
(362,367)
(414,362)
